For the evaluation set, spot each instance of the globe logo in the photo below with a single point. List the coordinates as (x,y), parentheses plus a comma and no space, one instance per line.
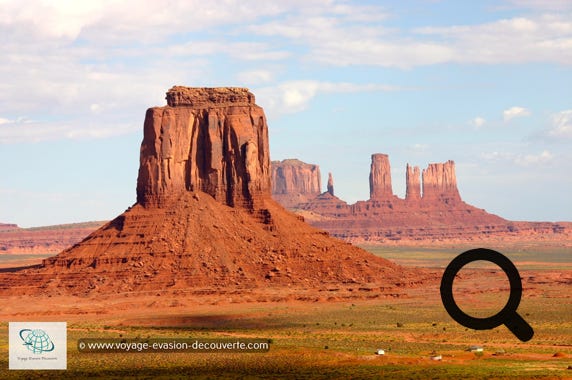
(37,341)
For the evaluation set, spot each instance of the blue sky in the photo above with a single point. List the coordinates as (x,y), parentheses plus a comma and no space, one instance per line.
(487,84)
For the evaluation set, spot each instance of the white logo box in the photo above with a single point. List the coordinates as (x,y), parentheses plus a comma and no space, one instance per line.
(37,345)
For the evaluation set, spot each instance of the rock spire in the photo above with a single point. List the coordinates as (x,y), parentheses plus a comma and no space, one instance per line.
(412,183)
(330,184)
(380,177)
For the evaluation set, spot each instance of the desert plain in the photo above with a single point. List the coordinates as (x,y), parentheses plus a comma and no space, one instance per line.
(326,333)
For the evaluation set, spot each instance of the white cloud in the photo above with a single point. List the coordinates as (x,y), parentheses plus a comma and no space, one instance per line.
(478,122)
(496,156)
(534,159)
(37,131)
(5,121)
(255,76)
(108,20)
(513,112)
(339,42)
(561,124)
(294,96)
(544,38)
(418,148)
(541,158)
(548,5)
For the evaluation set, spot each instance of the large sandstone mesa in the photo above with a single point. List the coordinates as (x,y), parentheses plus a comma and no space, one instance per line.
(294,181)
(212,140)
(380,177)
(204,220)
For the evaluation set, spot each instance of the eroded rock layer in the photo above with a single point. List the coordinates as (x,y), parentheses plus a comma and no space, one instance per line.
(203,141)
(43,240)
(437,214)
(295,182)
(440,183)
(204,218)
(412,185)
(330,188)
(380,177)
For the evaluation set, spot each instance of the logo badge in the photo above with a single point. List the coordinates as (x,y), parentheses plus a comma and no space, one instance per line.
(37,341)
(37,345)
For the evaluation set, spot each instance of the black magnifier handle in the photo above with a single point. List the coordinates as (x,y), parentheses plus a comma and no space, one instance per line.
(519,327)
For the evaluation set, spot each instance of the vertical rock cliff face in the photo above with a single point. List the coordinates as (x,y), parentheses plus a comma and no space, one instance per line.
(380,177)
(294,181)
(413,184)
(440,183)
(291,176)
(213,140)
(330,184)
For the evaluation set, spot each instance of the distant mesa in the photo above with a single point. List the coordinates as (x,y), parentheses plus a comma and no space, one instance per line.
(295,182)
(204,220)
(431,211)
(43,240)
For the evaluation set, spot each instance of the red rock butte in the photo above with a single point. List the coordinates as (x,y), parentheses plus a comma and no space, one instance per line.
(204,219)
(431,211)
(295,182)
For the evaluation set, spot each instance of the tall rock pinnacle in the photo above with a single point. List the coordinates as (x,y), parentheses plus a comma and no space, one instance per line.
(380,177)
(330,184)
(440,182)
(413,184)
(210,139)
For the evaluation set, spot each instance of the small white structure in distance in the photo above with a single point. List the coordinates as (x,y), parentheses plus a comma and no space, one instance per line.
(476,349)
(436,357)
(380,351)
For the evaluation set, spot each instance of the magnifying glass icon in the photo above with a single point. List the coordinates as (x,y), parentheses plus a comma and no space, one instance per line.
(508,315)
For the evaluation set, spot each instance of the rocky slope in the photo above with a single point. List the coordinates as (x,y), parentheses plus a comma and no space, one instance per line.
(204,218)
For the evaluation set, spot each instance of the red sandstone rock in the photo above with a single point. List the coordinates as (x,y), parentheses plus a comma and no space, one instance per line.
(204,219)
(204,142)
(440,183)
(330,184)
(8,226)
(380,177)
(44,240)
(413,185)
(209,97)
(295,182)
(437,216)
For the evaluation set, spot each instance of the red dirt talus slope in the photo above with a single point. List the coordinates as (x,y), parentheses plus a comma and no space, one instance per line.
(204,217)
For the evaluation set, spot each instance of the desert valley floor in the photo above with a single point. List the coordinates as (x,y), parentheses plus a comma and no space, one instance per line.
(328,333)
